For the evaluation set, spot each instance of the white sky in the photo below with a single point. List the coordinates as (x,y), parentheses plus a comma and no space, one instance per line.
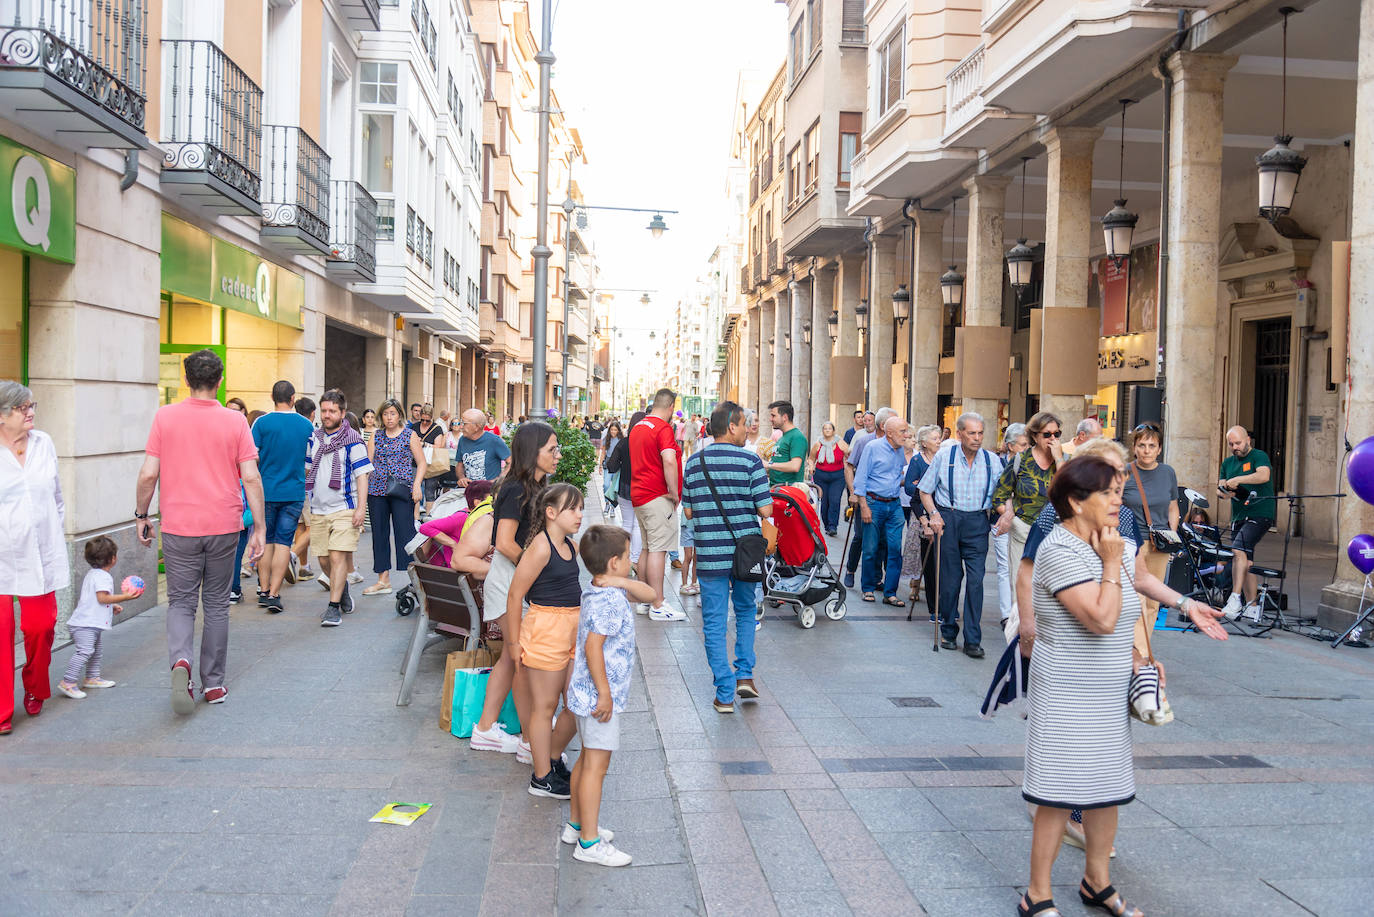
(650,86)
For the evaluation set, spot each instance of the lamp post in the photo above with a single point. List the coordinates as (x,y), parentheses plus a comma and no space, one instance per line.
(901,309)
(861,321)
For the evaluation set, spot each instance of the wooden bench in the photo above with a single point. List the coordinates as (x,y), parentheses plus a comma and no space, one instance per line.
(446,599)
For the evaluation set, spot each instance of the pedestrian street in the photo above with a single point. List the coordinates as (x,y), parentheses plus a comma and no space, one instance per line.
(862,781)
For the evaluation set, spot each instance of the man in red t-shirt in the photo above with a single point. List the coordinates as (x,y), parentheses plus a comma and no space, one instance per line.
(655,491)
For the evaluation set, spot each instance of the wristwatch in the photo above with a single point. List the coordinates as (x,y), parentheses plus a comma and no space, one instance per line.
(138,515)
(1182,604)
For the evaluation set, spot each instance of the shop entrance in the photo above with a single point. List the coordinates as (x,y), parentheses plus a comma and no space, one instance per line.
(1269,425)
(345,364)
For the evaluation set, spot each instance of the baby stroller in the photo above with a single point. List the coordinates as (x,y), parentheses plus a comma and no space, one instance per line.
(799,574)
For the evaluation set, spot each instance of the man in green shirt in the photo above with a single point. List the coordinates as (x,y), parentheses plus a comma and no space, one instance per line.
(789,455)
(1247,478)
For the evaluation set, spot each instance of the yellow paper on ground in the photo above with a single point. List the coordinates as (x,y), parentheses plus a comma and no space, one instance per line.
(400,813)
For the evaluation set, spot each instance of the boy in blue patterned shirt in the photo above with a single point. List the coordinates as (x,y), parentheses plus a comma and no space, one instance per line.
(600,685)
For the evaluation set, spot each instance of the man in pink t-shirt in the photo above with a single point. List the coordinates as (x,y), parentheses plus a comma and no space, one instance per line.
(198,454)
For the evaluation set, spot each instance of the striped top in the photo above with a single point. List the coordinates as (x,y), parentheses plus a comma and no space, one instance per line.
(743,488)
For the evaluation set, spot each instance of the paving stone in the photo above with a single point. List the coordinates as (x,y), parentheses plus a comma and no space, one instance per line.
(812,904)
(896,809)
(874,889)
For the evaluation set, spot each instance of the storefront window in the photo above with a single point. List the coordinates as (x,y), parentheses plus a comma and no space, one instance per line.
(13,335)
(377,143)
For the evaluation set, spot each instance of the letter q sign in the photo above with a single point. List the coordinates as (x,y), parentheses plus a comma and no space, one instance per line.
(32,223)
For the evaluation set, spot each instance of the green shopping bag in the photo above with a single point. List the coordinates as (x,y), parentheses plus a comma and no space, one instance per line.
(469,693)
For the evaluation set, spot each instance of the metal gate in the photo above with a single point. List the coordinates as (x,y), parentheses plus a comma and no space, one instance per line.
(1270,426)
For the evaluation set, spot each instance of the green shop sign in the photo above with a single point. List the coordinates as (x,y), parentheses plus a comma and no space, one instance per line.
(41,195)
(204,267)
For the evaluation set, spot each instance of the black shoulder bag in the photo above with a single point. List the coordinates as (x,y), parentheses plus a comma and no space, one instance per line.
(749,549)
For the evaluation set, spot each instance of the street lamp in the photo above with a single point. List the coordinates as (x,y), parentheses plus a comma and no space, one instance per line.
(1280,168)
(861,316)
(657,226)
(901,304)
(806,333)
(834,324)
(951,281)
(1020,259)
(1119,224)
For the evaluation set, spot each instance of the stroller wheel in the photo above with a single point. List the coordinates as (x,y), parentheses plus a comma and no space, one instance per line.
(806,616)
(406,602)
(834,609)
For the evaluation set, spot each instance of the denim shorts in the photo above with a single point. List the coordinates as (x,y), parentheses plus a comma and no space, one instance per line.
(688,537)
(280,520)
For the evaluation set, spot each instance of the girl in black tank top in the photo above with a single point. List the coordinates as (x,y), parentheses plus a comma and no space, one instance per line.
(557,584)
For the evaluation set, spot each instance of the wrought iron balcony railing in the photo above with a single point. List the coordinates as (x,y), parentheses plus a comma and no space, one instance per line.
(97,48)
(352,229)
(211,120)
(774,261)
(295,198)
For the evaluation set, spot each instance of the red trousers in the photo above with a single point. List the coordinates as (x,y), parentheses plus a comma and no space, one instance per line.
(37,619)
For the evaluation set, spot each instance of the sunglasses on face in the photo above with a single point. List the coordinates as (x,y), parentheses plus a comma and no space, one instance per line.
(1050,434)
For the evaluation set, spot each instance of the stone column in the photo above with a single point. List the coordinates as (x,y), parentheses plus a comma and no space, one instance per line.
(987,202)
(1340,600)
(822,302)
(749,360)
(800,356)
(927,317)
(782,356)
(1069,226)
(767,359)
(1195,152)
(881,328)
(849,342)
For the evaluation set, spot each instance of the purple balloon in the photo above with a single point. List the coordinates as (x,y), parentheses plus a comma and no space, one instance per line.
(1360,471)
(1361,553)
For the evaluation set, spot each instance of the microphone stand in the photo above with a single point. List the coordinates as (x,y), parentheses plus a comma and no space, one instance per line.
(1294,509)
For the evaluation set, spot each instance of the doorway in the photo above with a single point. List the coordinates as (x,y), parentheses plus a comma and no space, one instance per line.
(345,364)
(1269,422)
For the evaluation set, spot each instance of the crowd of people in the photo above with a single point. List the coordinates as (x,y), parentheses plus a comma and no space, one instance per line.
(1071,525)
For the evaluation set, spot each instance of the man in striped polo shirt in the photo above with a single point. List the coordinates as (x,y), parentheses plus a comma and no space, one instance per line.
(741,497)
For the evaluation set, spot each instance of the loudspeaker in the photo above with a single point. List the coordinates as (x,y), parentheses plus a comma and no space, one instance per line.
(1144,404)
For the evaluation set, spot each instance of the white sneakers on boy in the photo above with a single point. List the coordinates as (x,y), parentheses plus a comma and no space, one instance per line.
(667,613)
(494,739)
(570,835)
(602,853)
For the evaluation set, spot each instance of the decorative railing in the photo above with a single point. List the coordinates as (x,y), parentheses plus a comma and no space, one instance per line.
(211,116)
(766,170)
(353,225)
(758,270)
(774,262)
(296,181)
(963,91)
(419,237)
(754,186)
(97,47)
(744,279)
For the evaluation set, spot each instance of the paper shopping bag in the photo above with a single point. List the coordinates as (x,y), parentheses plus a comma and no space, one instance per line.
(469,692)
(484,656)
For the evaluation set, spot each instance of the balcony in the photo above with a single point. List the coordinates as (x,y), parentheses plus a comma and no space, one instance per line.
(74,70)
(744,285)
(363,15)
(295,197)
(352,232)
(969,120)
(775,263)
(766,171)
(758,270)
(211,129)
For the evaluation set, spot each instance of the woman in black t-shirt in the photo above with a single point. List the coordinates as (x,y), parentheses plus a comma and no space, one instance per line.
(534,455)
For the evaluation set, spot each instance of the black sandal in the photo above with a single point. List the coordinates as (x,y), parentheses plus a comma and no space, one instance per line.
(1103,899)
(893,601)
(1024,908)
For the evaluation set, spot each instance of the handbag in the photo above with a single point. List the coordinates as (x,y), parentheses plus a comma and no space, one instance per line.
(469,694)
(438,461)
(1145,700)
(747,565)
(397,487)
(1162,539)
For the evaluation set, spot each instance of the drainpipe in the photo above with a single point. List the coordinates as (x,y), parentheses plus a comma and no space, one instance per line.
(126,181)
(908,215)
(1162,286)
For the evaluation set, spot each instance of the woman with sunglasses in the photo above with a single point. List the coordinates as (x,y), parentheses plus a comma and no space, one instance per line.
(1151,491)
(1024,488)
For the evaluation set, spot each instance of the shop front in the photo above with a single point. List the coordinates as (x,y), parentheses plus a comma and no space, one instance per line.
(247,309)
(1127,295)
(37,219)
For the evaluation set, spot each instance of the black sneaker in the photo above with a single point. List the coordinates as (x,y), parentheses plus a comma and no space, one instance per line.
(331,617)
(262,599)
(948,644)
(235,597)
(274,604)
(552,785)
(560,767)
(974,651)
(346,601)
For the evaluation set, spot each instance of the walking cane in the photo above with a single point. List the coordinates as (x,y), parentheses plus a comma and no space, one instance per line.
(844,551)
(935,641)
(925,550)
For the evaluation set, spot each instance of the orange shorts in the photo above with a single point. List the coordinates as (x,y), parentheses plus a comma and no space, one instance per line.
(548,637)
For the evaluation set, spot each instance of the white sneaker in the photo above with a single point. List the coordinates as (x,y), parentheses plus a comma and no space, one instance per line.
(523,753)
(97,683)
(690,589)
(602,853)
(323,580)
(667,613)
(570,835)
(1232,607)
(494,739)
(355,577)
(71,691)
(641,608)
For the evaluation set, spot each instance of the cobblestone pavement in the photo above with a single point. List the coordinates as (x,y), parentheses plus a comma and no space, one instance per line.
(831,794)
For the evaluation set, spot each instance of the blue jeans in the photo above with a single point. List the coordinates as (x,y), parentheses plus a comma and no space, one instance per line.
(718,593)
(963,552)
(238,560)
(831,484)
(887,525)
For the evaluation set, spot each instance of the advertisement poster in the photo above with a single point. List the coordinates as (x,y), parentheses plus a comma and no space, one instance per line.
(1113,282)
(1143,305)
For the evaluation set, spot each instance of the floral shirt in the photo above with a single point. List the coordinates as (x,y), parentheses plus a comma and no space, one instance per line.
(390,458)
(606,611)
(1028,490)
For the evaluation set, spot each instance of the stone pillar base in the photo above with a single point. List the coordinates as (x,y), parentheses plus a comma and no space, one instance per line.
(1340,605)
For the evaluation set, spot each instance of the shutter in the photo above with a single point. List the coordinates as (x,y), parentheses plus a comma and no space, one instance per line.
(852,23)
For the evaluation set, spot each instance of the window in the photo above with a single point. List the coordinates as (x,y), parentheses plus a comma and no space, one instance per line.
(813,18)
(377,83)
(891,66)
(794,175)
(377,143)
(851,126)
(798,50)
(811,157)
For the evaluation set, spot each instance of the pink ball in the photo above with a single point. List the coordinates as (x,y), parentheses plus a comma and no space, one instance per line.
(132,584)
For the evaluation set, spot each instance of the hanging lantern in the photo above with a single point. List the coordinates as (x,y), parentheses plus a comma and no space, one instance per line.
(834,324)
(861,315)
(1280,167)
(901,303)
(806,333)
(952,287)
(1118,226)
(1020,259)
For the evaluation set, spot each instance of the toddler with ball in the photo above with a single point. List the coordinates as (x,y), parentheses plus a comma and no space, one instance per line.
(93,616)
